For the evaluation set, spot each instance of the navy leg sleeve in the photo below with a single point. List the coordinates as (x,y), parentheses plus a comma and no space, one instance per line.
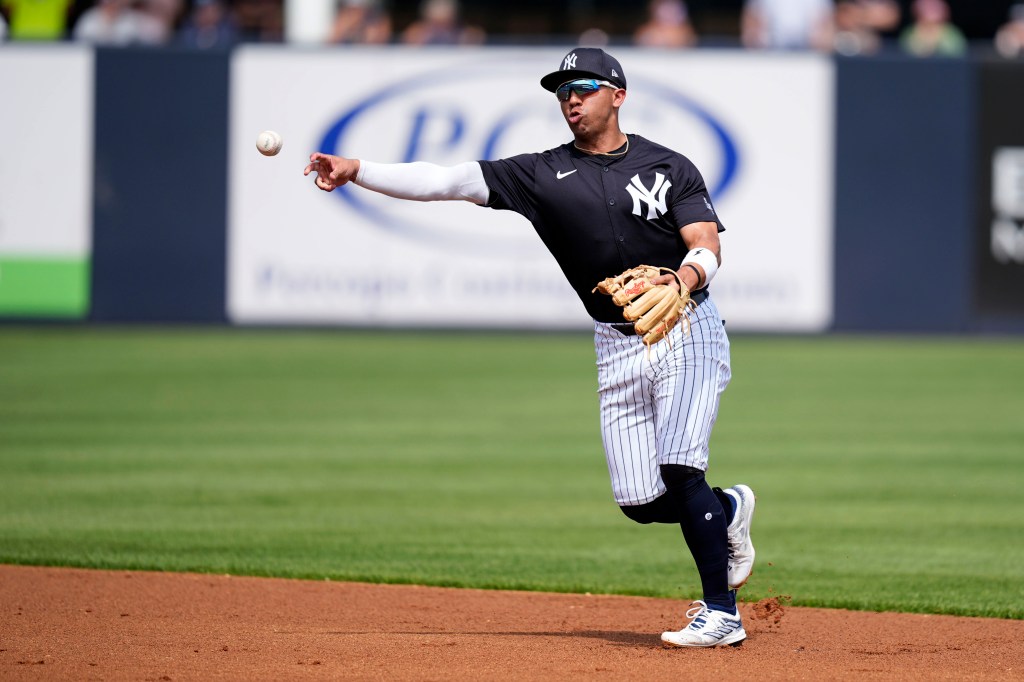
(703,521)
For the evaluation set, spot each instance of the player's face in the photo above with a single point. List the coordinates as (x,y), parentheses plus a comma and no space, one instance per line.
(591,113)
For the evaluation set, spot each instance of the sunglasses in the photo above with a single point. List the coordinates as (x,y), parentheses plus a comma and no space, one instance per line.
(584,86)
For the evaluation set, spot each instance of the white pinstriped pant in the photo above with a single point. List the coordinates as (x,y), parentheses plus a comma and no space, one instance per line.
(659,410)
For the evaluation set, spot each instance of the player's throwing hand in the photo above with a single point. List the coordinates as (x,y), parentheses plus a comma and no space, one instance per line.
(331,171)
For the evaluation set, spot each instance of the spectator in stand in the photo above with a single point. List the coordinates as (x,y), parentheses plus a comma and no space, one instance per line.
(439,24)
(668,25)
(932,34)
(36,19)
(593,37)
(859,24)
(260,21)
(167,13)
(361,22)
(117,23)
(210,25)
(1010,37)
(882,15)
(787,24)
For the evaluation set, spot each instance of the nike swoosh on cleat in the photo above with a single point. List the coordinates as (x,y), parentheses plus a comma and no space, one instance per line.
(561,175)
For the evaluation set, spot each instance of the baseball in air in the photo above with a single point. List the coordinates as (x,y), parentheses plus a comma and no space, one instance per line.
(269,143)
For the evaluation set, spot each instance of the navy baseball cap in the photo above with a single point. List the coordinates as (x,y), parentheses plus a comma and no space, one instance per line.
(585,62)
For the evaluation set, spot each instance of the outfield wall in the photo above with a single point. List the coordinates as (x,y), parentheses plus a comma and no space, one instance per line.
(883,194)
(904,194)
(161,179)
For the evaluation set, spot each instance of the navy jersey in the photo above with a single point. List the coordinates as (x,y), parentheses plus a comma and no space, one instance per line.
(599,215)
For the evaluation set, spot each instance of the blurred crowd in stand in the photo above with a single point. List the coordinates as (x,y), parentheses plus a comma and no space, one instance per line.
(847,27)
(191,23)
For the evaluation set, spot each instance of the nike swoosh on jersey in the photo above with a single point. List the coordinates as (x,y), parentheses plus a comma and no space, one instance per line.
(561,175)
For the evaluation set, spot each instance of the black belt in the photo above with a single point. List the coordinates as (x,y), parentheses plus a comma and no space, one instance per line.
(627,329)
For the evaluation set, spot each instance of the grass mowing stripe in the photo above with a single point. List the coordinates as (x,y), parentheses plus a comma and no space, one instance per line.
(888,471)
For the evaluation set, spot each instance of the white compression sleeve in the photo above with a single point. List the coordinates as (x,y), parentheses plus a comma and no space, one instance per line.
(422,181)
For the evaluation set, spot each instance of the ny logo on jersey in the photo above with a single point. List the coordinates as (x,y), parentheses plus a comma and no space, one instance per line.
(655,206)
(570,62)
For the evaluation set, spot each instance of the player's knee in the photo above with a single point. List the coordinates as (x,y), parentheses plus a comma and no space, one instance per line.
(659,510)
(681,482)
(681,479)
(641,513)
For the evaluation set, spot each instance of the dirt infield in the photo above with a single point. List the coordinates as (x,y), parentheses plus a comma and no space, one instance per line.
(100,625)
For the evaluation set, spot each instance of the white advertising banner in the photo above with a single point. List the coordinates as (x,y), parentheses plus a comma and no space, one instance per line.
(46,112)
(759,127)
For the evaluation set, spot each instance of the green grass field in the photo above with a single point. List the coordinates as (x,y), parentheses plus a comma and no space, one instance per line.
(889,472)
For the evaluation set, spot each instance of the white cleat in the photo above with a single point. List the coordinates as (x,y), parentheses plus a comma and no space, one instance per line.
(741,549)
(708,628)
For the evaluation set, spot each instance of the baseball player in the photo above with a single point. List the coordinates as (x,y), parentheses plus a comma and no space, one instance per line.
(604,203)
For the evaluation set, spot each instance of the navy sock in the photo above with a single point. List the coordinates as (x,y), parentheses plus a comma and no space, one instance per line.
(728,504)
(729,607)
(704,529)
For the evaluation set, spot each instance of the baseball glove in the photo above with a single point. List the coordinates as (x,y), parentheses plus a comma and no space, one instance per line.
(654,309)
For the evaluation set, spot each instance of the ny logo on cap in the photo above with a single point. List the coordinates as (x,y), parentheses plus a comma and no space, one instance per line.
(570,62)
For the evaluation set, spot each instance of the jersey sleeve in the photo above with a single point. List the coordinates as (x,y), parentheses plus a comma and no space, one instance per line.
(512,184)
(693,203)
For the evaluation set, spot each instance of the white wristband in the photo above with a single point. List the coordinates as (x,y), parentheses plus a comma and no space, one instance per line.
(708,262)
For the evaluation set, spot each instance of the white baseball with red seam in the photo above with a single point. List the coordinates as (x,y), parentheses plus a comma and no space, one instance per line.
(269,143)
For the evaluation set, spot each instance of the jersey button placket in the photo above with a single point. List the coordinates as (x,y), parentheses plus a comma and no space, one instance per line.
(614,219)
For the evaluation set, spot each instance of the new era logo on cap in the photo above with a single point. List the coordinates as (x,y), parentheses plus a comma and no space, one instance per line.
(585,62)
